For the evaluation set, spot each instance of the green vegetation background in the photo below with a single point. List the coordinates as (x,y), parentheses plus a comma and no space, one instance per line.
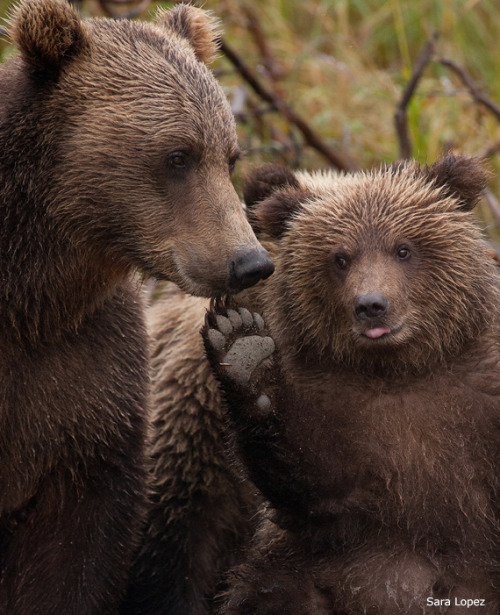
(342,65)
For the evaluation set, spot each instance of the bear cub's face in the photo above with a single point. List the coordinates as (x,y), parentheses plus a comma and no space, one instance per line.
(378,267)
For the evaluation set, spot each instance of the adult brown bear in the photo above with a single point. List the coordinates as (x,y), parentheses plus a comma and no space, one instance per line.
(116,150)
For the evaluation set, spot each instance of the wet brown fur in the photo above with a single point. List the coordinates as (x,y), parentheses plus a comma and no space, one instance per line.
(366,218)
(91,113)
(380,457)
(201,504)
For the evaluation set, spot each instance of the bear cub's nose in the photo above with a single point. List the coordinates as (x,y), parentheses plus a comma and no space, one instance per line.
(248,268)
(372,305)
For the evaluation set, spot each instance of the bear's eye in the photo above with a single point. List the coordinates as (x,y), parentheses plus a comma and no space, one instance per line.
(233,160)
(178,160)
(342,261)
(403,253)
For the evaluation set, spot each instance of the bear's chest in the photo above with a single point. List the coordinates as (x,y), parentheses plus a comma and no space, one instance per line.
(402,447)
(73,403)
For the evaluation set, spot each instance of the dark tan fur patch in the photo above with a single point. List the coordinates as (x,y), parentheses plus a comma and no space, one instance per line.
(197,26)
(47,32)
(264,180)
(462,176)
(270,216)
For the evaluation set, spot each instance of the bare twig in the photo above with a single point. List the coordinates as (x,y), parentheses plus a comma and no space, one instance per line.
(400,118)
(310,136)
(472,86)
(489,151)
(137,10)
(281,144)
(493,204)
(273,69)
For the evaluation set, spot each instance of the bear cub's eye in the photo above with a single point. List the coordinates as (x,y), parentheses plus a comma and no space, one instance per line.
(342,261)
(403,253)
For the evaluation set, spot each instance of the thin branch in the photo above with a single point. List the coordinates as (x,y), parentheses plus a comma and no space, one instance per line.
(471,86)
(140,8)
(273,69)
(400,118)
(489,151)
(493,204)
(281,143)
(310,136)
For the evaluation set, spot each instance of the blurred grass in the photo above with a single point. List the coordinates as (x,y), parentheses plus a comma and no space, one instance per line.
(344,64)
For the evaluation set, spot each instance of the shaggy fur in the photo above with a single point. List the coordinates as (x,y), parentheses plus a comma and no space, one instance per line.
(116,146)
(201,506)
(381,455)
(377,440)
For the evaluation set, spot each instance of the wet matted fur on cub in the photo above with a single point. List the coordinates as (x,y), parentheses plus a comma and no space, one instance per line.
(373,427)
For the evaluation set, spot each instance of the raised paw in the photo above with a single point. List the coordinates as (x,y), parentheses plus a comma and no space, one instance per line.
(237,344)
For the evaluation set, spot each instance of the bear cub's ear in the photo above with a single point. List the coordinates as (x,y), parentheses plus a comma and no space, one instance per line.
(272,195)
(264,180)
(47,32)
(197,26)
(461,176)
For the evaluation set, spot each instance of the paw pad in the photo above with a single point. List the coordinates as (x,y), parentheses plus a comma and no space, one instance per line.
(240,343)
(216,339)
(234,318)
(245,355)
(224,324)
(263,403)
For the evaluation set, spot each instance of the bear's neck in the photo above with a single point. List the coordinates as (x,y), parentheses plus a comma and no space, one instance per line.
(49,284)
(304,363)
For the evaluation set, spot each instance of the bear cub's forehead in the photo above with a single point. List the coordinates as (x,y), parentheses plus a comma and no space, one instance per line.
(373,195)
(380,209)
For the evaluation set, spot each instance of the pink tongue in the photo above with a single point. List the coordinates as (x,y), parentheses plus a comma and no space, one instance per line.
(374,333)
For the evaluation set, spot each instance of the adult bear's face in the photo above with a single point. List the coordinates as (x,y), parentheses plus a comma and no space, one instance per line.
(140,142)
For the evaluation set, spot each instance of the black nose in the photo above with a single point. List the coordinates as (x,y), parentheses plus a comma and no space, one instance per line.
(372,305)
(248,268)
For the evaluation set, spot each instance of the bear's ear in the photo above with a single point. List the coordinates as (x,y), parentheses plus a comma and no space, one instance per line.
(264,180)
(271,215)
(272,194)
(461,176)
(47,32)
(197,26)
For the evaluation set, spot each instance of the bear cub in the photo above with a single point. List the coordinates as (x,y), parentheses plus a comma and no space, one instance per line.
(365,405)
